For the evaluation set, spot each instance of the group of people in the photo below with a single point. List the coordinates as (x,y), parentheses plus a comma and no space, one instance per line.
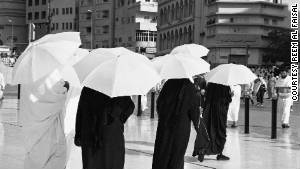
(100,122)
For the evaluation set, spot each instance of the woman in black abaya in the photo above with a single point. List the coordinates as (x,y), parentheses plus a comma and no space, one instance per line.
(214,115)
(99,129)
(177,106)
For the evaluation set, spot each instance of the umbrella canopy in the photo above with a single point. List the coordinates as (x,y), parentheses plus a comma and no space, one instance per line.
(116,73)
(230,74)
(178,66)
(45,55)
(191,50)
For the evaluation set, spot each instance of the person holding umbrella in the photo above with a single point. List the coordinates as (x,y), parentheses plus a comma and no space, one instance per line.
(177,107)
(218,98)
(110,77)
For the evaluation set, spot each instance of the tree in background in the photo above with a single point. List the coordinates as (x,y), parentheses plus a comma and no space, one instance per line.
(278,49)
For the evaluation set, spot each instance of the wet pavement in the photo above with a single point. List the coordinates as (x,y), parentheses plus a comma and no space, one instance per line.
(247,151)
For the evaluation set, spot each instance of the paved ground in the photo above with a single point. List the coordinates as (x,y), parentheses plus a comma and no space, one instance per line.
(254,150)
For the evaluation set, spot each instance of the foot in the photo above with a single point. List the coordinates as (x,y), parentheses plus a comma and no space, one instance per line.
(222,157)
(285,126)
(201,157)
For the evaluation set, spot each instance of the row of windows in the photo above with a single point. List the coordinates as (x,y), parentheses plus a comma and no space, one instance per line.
(64,26)
(173,38)
(122,3)
(36,2)
(65,11)
(90,2)
(176,11)
(103,30)
(244,20)
(144,35)
(36,15)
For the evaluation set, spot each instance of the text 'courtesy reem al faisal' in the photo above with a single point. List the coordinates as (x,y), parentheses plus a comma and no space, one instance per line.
(294,50)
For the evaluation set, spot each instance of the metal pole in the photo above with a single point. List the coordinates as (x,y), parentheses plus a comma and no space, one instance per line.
(139,113)
(274,119)
(19,91)
(91,30)
(247,114)
(152,104)
(12,36)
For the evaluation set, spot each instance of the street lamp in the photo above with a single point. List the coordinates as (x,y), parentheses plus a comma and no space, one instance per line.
(12,35)
(91,12)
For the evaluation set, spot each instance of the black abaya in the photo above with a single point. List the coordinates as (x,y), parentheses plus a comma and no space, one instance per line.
(177,106)
(99,129)
(216,106)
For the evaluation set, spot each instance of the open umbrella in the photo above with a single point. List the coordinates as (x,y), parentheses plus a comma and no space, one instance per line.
(230,74)
(191,50)
(117,74)
(45,55)
(177,66)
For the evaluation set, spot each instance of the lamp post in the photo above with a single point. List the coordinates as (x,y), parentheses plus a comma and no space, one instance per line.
(91,12)
(12,35)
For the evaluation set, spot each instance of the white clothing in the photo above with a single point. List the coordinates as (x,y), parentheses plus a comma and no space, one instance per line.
(234,106)
(284,99)
(144,102)
(42,123)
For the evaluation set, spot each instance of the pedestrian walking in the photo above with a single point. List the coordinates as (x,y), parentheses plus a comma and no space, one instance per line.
(177,106)
(216,106)
(234,106)
(2,87)
(41,118)
(260,90)
(283,90)
(99,129)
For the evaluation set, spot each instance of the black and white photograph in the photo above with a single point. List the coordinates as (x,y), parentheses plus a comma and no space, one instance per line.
(149,84)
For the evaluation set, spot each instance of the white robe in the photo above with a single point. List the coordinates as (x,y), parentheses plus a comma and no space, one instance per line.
(234,106)
(41,118)
(284,99)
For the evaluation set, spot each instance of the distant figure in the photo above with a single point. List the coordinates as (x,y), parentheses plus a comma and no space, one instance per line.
(216,106)
(271,85)
(200,84)
(260,90)
(99,129)
(177,106)
(283,90)
(2,87)
(41,118)
(234,106)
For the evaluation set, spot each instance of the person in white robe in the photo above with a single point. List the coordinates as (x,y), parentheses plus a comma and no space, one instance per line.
(41,117)
(283,89)
(234,106)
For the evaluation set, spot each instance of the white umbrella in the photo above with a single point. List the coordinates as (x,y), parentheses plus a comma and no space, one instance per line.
(230,74)
(45,55)
(194,50)
(117,74)
(177,66)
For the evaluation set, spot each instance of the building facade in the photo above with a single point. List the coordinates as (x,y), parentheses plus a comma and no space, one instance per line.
(64,16)
(233,30)
(37,12)
(135,25)
(236,31)
(96,24)
(13,30)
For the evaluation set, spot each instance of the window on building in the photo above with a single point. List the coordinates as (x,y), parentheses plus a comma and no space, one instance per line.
(63,26)
(44,2)
(29,16)
(67,11)
(117,19)
(71,26)
(52,26)
(36,15)
(129,38)
(43,15)
(71,10)
(56,11)
(120,39)
(231,20)
(105,0)
(132,19)
(53,12)
(56,26)
(105,14)
(266,21)
(88,29)
(63,11)
(37,2)
(146,17)
(88,16)
(274,22)
(143,35)
(105,29)
(29,2)
(67,25)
